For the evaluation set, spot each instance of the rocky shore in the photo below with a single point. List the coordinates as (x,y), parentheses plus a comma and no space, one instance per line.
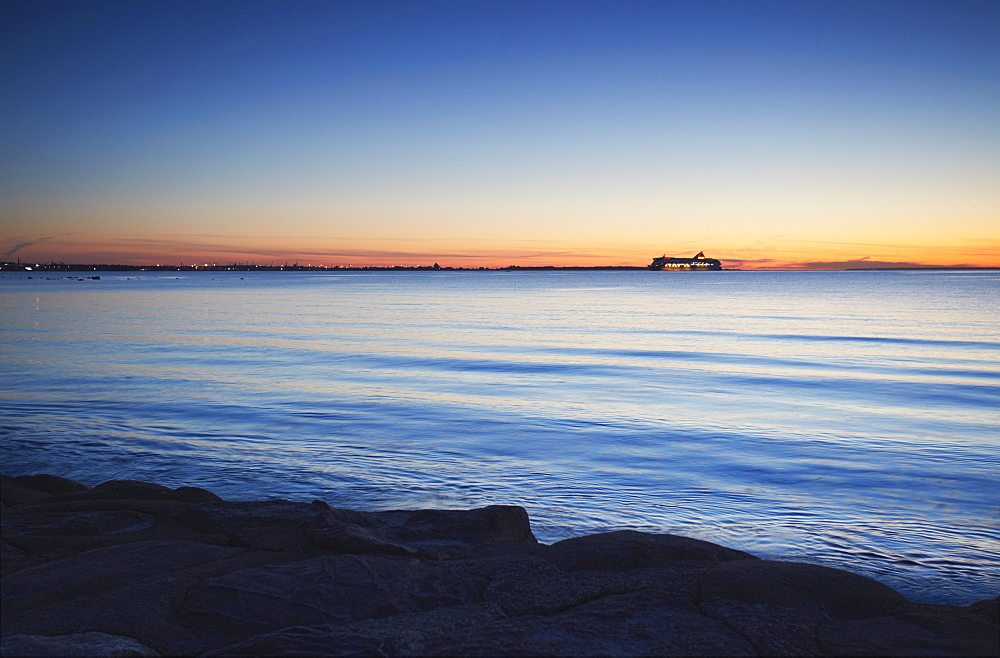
(132,568)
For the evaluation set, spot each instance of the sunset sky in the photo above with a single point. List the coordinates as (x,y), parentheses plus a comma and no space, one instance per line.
(804,133)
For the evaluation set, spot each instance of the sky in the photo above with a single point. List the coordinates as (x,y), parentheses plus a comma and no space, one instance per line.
(806,134)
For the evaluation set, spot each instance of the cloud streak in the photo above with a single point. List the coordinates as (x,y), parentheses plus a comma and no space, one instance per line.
(29,241)
(866,263)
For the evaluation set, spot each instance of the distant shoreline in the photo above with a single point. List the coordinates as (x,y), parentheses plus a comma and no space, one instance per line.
(103,267)
(77,267)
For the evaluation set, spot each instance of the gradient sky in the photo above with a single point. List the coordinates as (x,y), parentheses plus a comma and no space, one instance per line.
(769,134)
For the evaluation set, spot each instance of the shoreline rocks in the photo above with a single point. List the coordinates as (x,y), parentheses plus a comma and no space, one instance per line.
(134,568)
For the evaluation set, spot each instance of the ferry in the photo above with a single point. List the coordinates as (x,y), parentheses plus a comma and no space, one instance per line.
(699,262)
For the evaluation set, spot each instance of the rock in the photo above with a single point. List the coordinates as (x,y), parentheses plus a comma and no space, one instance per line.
(932,631)
(533,586)
(12,558)
(135,567)
(74,644)
(327,640)
(422,533)
(51,484)
(132,590)
(990,609)
(35,489)
(773,630)
(270,525)
(236,516)
(647,622)
(474,528)
(52,531)
(330,534)
(403,634)
(130,490)
(194,495)
(807,587)
(83,502)
(324,589)
(81,575)
(13,494)
(97,522)
(627,549)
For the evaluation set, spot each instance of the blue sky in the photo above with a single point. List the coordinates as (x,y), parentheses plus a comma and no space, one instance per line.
(578,132)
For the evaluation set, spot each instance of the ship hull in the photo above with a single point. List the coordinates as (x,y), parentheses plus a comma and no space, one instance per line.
(685,264)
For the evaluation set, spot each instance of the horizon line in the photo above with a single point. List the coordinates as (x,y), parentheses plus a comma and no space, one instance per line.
(52,266)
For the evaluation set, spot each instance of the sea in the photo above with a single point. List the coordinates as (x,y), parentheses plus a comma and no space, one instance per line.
(848,418)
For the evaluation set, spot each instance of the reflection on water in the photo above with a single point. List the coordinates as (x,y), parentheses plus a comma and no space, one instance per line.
(843,417)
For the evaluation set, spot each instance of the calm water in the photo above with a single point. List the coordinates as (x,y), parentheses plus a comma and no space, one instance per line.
(844,418)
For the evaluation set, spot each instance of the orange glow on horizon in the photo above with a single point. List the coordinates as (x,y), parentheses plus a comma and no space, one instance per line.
(776,253)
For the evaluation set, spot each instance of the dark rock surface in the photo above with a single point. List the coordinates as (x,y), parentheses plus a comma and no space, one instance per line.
(133,568)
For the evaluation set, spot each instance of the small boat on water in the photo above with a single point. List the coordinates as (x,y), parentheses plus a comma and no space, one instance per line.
(699,262)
